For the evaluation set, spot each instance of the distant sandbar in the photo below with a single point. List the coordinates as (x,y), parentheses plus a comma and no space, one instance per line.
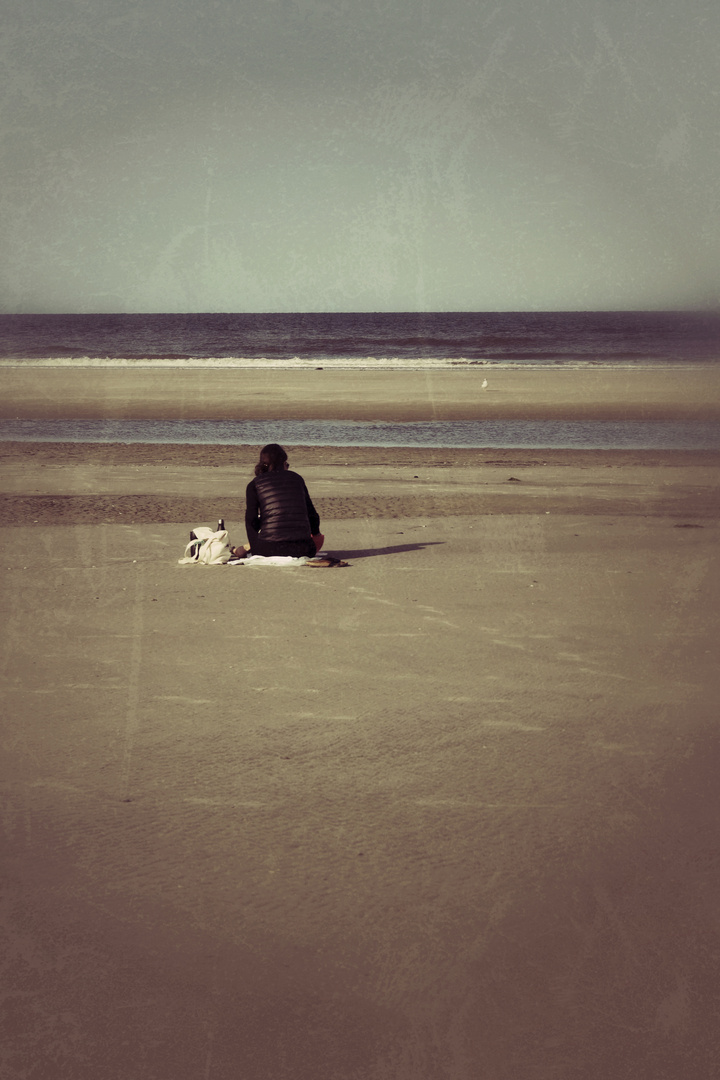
(268,394)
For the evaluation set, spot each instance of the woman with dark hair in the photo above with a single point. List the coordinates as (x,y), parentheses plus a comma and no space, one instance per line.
(280,518)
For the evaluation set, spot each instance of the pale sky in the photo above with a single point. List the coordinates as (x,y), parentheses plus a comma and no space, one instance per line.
(360,155)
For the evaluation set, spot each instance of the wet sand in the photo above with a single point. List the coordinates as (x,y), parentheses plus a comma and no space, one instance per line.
(72,484)
(450,813)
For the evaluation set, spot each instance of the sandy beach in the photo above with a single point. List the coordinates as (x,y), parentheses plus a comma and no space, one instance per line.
(449,813)
(601,393)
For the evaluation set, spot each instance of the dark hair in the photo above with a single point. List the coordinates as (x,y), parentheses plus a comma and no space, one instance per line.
(272,459)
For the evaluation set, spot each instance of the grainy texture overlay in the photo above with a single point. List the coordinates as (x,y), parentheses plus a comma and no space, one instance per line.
(449,812)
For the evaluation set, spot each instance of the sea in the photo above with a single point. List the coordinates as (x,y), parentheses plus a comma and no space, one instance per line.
(365,342)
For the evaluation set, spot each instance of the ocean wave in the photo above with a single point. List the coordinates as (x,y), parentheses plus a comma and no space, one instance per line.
(366,363)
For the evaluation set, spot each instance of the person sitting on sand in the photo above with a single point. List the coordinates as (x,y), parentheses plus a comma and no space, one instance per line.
(280,518)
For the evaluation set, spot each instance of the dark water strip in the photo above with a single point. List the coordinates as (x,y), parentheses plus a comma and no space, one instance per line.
(461,434)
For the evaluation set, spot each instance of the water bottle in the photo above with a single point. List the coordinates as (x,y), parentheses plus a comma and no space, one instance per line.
(221,524)
(196,545)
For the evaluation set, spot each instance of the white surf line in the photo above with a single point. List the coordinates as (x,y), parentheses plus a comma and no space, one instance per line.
(132,719)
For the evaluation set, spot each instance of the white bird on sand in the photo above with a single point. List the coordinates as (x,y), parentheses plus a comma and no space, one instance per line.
(484,385)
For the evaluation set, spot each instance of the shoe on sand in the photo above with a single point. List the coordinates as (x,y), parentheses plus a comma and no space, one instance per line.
(325,560)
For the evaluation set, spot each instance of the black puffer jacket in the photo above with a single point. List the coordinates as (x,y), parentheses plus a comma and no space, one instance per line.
(279,507)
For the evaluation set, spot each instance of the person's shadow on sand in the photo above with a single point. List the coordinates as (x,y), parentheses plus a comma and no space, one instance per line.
(394,549)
